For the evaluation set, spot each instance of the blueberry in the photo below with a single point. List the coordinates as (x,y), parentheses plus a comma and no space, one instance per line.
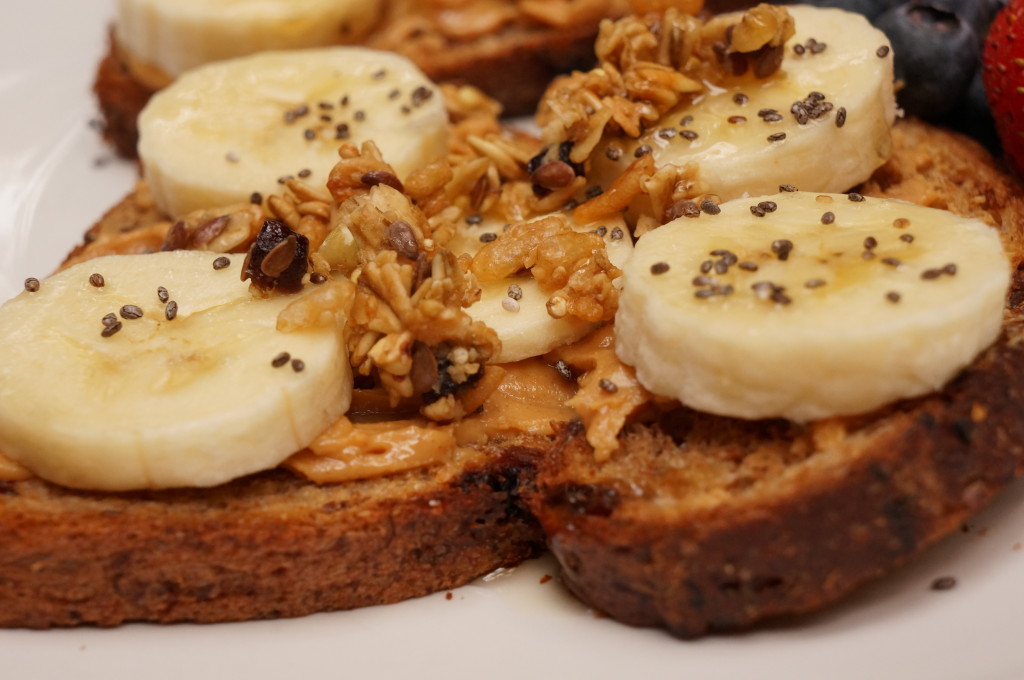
(979,122)
(977,14)
(936,51)
(992,7)
(972,116)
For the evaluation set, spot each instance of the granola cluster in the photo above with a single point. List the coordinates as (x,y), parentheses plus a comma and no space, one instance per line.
(571,266)
(406,321)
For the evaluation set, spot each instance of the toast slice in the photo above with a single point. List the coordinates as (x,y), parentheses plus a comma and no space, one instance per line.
(273,544)
(266,546)
(701,523)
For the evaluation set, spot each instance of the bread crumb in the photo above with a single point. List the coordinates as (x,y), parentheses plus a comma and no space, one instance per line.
(448,595)
(545,578)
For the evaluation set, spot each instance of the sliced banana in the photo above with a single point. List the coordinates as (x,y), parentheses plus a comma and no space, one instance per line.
(162,39)
(192,399)
(822,306)
(516,307)
(232,128)
(821,123)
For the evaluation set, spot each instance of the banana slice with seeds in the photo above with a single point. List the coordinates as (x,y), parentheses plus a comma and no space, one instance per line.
(804,306)
(230,129)
(168,372)
(516,307)
(820,123)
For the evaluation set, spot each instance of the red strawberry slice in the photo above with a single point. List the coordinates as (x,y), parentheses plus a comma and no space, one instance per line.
(1003,72)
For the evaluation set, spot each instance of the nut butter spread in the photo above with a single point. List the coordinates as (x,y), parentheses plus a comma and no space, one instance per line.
(528,397)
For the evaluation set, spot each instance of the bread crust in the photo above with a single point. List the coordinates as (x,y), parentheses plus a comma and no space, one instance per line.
(267,546)
(808,514)
(121,99)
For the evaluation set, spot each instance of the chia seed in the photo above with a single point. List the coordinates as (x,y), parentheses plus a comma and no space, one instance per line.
(131,312)
(111,329)
(782,248)
(709,207)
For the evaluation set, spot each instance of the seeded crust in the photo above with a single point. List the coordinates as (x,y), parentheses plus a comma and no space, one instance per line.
(514,67)
(702,523)
(266,546)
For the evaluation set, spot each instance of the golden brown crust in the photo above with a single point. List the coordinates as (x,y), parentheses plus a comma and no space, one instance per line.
(704,523)
(270,545)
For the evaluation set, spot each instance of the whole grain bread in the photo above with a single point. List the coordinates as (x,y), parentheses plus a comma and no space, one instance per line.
(698,523)
(266,546)
(701,523)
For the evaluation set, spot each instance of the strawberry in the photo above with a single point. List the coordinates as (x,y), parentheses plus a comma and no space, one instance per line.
(1003,72)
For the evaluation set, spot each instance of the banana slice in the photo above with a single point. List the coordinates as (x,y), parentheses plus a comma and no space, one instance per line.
(153,401)
(821,123)
(516,307)
(822,306)
(164,38)
(229,129)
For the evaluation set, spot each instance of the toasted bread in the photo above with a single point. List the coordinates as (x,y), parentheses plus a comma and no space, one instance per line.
(266,546)
(701,523)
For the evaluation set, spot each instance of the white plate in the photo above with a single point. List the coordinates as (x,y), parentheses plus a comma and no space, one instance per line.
(51,190)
